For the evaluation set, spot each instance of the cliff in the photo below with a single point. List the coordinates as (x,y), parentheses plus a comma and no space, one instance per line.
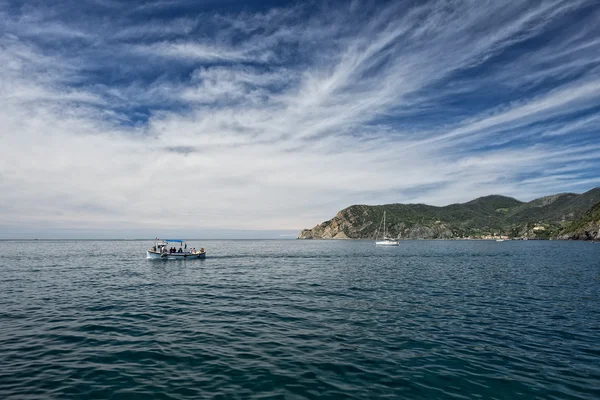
(585,228)
(541,218)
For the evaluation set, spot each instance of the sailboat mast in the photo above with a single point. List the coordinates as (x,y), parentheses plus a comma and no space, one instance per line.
(384,227)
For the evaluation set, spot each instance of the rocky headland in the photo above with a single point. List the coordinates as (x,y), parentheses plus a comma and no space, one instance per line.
(560,216)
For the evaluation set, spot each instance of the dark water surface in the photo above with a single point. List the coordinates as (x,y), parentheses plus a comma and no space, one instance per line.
(301,319)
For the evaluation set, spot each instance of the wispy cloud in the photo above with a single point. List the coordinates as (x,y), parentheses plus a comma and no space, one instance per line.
(275,119)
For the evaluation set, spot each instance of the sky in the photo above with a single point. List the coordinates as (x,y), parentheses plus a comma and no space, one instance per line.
(125,119)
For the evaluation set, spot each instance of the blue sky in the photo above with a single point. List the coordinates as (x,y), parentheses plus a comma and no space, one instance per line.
(222,118)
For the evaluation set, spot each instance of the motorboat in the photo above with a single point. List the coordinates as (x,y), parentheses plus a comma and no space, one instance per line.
(386,240)
(160,251)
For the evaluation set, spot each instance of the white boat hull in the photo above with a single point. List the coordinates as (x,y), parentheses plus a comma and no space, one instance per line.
(174,256)
(387,243)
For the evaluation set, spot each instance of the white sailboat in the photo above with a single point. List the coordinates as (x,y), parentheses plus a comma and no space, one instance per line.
(386,241)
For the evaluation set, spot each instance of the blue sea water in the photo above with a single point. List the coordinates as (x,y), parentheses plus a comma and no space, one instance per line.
(300,320)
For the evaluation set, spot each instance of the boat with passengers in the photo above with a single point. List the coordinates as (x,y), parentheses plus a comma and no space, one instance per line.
(162,250)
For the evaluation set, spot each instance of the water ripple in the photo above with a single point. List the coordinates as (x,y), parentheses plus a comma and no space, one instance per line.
(301,320)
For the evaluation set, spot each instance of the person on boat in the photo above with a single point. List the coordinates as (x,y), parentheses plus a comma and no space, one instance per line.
(180,250)
(202,250)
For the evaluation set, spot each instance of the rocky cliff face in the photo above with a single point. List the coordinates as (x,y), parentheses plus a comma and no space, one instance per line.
(338,228)
(357,222)
(591,232)
(586,228)
(342,226)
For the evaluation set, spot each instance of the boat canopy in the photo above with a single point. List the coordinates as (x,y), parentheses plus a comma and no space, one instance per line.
(173,240)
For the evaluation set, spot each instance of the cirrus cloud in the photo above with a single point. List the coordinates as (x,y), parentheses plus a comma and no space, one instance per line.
(276,118)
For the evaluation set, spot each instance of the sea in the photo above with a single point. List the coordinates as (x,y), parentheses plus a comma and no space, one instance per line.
(287,319)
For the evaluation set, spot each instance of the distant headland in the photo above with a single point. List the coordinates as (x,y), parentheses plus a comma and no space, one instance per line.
(559,216)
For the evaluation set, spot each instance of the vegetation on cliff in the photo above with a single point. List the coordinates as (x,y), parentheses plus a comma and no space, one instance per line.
(486,216)
(585,228)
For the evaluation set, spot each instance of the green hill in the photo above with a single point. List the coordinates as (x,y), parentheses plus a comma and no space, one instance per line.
(558,207)
(489,215)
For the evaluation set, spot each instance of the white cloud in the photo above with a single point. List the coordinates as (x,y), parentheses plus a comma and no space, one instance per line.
(193,51)
(265,138)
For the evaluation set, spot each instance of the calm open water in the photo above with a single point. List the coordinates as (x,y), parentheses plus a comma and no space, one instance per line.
(300,319)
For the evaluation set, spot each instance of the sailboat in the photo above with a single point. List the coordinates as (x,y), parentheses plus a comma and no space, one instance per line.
(386,241)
